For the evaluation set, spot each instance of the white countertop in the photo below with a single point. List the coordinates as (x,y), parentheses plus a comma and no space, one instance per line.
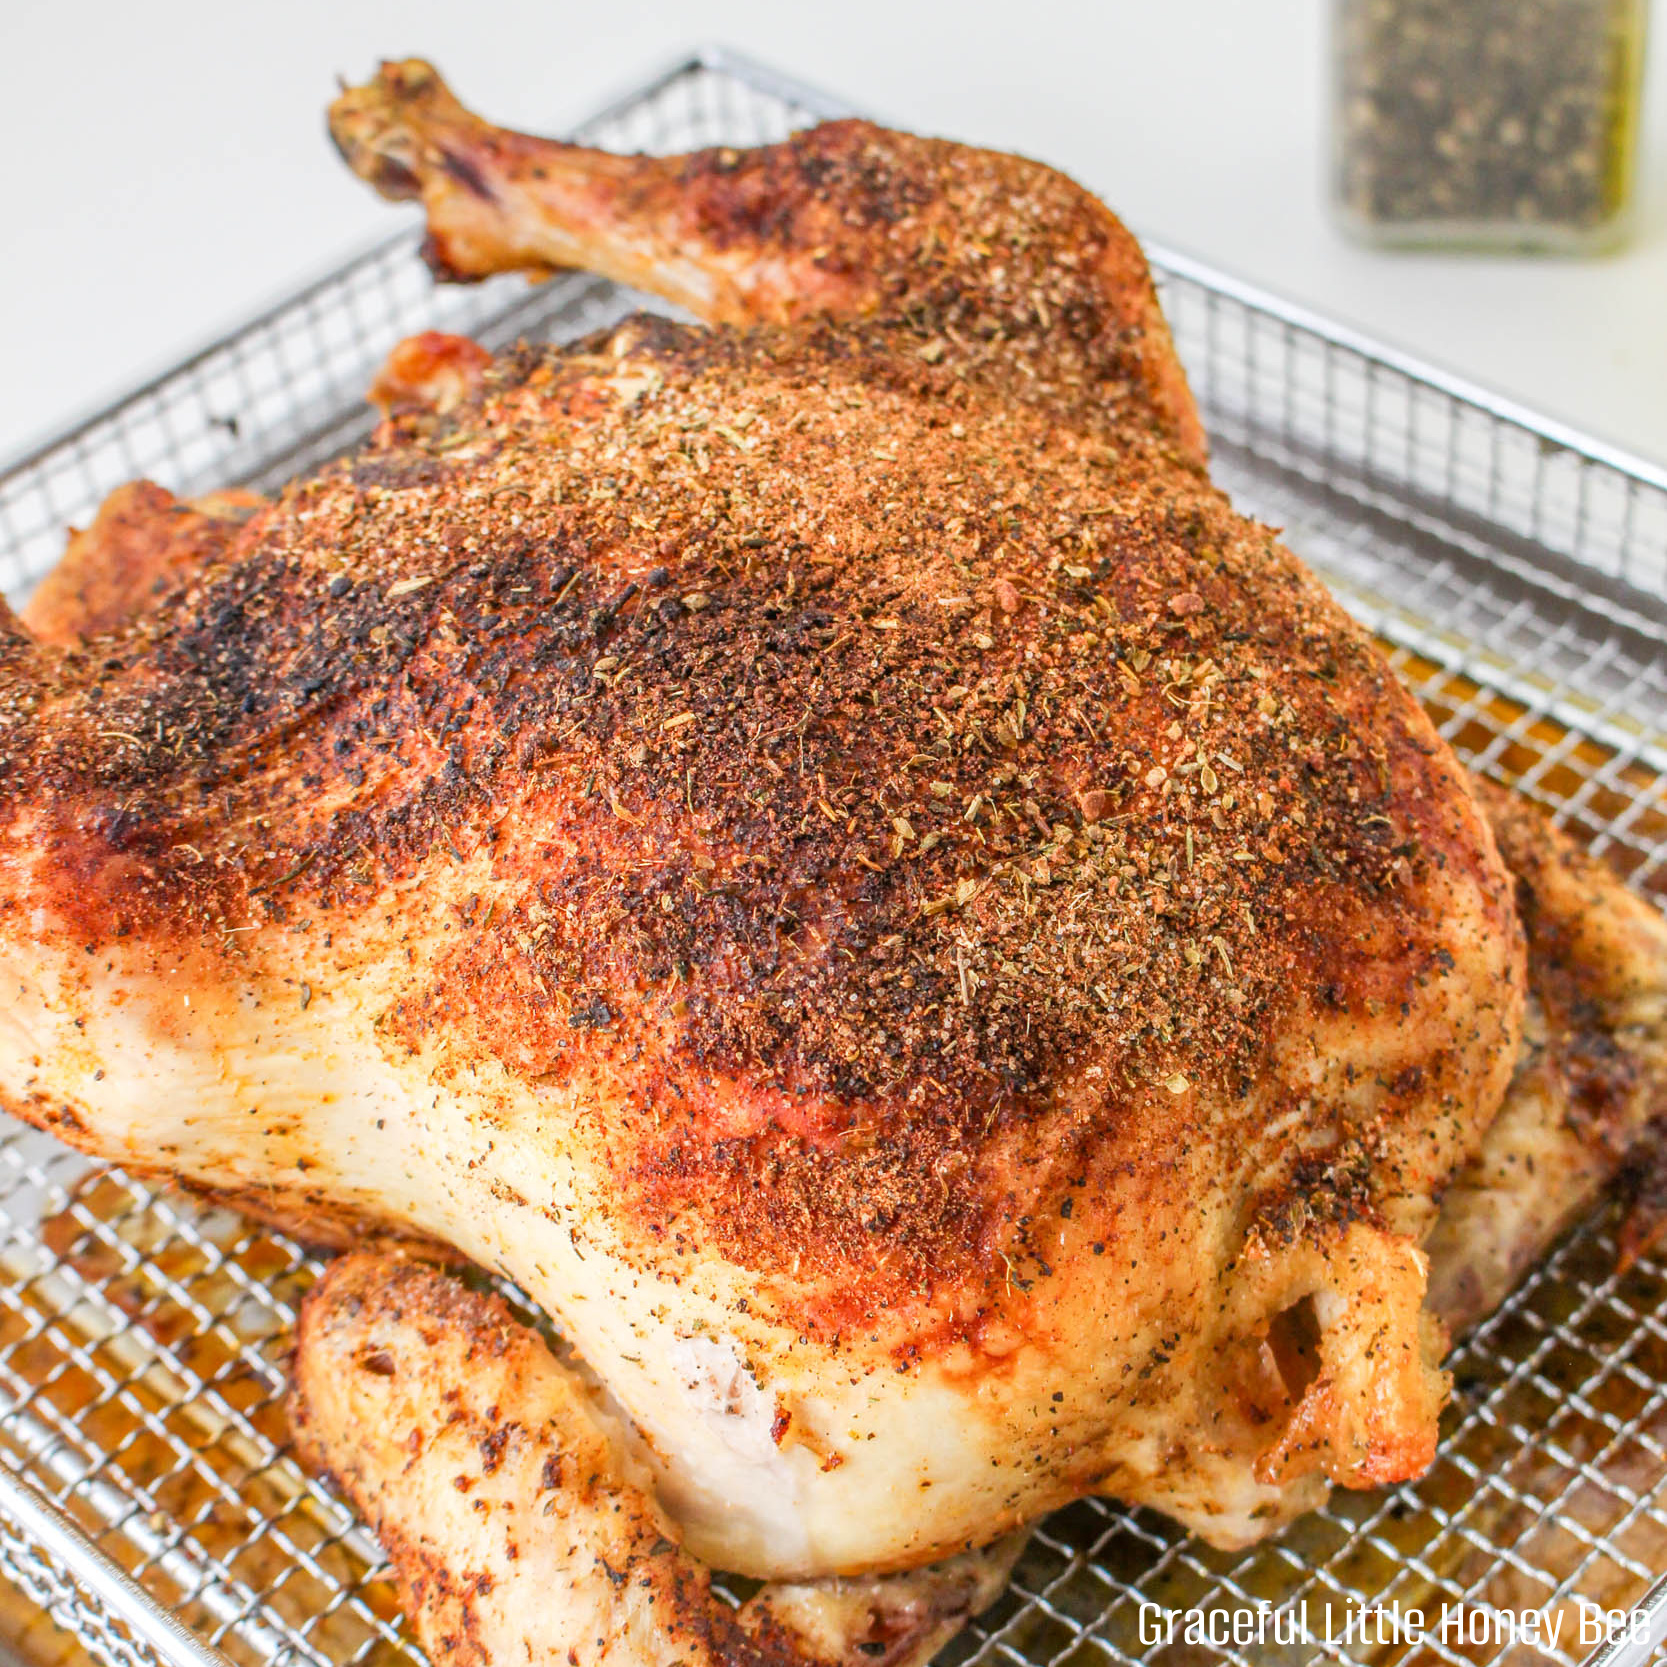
(165,169)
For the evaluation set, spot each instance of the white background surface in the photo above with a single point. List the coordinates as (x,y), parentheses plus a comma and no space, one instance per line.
(165,170)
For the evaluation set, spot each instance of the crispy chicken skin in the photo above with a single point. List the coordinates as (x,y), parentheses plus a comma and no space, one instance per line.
(518,1522)
(826,850)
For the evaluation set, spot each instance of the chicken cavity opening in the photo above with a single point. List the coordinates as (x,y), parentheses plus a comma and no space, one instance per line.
(1294,1343)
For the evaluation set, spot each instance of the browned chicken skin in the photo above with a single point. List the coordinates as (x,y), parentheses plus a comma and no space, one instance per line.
(826,850)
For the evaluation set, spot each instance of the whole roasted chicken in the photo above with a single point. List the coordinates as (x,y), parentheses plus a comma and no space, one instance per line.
(822,847)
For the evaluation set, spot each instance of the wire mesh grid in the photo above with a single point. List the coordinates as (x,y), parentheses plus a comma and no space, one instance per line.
(1518,576)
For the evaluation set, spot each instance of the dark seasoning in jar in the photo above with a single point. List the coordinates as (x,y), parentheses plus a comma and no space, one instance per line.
(1508,122)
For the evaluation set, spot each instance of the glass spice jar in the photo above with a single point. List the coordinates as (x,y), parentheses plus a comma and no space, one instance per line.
(1487,124)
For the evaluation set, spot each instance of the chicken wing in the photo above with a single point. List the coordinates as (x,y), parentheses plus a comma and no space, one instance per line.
(1589,1095)
(432,371)
(519,1524)
(143,542)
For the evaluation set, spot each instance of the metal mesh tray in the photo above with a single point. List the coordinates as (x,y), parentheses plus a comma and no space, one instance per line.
(1518,575)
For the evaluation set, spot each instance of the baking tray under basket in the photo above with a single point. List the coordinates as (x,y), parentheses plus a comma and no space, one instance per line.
(1517,574)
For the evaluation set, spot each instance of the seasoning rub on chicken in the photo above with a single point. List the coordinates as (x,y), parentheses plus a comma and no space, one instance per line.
(823,848)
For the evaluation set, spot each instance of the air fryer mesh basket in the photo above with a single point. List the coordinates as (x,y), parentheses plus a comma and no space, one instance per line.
(1518,575)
